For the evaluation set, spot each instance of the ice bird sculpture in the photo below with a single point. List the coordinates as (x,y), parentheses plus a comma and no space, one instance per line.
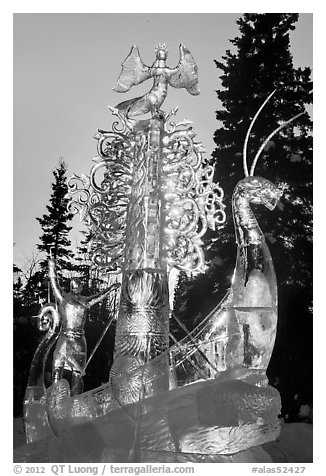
(134,72)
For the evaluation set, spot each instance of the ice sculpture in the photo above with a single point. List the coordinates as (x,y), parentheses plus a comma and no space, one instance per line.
(35,415)
(134,72)
(65,324)
(156,201)
(69,358)
(149,199)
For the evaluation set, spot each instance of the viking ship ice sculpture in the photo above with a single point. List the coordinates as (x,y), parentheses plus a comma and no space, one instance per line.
(148,201)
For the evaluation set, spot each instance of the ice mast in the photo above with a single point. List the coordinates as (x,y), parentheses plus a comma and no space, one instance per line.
(149,199)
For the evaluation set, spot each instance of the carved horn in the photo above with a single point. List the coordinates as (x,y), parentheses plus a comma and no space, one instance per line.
(245,165)
(272,134)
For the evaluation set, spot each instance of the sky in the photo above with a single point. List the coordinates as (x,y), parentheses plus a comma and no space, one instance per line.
(65,66)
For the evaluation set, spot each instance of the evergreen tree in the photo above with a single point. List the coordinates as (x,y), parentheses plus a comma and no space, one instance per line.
(17,292)
(189,307)
(82,266)
(262,62)
(55,223)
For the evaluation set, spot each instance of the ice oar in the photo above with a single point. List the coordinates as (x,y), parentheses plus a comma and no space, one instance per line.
(189,335)
(93,352)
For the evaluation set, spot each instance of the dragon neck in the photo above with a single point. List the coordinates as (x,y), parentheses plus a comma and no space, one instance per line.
(36,374)
(253,256)
(247,229)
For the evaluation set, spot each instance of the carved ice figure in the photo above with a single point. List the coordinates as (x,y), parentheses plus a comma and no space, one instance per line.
(134,72)
(70,354)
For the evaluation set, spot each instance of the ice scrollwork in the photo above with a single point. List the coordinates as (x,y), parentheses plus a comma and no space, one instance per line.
(102,198)
(193,202)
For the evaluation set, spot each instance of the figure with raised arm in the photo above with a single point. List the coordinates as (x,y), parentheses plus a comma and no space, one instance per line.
(69,358)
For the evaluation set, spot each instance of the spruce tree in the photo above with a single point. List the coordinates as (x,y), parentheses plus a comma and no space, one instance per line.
(260,62)
(82,265)
(17,292)
(55,237)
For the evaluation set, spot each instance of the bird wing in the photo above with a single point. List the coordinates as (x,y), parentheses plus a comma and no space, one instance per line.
(124,106)
(133,72)
(185,75)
